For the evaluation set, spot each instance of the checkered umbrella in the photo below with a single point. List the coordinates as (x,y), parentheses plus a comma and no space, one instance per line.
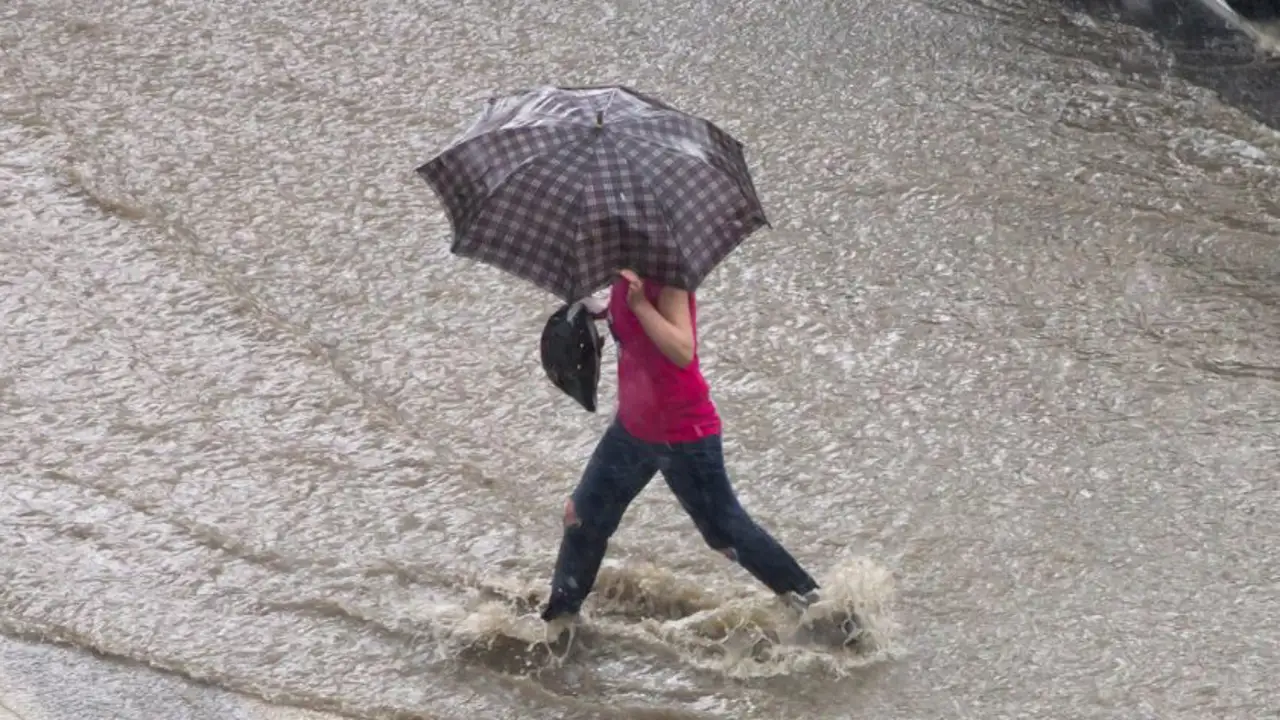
(564,186)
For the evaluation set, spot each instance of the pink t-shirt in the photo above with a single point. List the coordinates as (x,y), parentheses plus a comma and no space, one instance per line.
(658,401)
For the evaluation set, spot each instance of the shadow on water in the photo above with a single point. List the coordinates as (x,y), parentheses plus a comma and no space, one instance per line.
(1207,49)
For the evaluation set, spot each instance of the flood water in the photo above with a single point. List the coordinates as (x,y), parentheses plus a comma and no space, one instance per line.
(1004,374)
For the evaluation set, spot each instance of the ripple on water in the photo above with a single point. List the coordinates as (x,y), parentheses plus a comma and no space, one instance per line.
(1012,338)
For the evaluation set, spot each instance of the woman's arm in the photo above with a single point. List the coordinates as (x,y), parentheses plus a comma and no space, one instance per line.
(669,324)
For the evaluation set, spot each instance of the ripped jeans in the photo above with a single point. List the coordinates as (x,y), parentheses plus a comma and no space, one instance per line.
(619,469)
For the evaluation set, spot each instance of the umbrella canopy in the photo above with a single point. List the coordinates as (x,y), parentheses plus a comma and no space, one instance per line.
(564,186)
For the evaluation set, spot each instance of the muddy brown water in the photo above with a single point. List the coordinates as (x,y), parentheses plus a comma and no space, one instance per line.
(1005,374)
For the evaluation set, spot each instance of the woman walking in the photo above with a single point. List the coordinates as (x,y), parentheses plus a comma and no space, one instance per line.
(666,422)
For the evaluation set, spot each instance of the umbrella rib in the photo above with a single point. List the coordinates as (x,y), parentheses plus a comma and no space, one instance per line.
(551,152)
(577,216)
(666,218)
(746,194)
(620,127)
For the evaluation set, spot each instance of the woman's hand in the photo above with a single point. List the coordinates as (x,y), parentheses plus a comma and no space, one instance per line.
(598,307)
(635,289)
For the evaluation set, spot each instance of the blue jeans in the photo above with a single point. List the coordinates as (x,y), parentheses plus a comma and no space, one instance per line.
(619,469)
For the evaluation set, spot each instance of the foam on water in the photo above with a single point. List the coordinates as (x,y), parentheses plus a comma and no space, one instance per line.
(739,635)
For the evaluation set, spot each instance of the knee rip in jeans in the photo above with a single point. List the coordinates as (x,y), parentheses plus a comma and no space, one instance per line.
(571,519)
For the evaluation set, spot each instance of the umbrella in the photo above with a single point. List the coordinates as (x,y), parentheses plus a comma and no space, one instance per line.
(564,186)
